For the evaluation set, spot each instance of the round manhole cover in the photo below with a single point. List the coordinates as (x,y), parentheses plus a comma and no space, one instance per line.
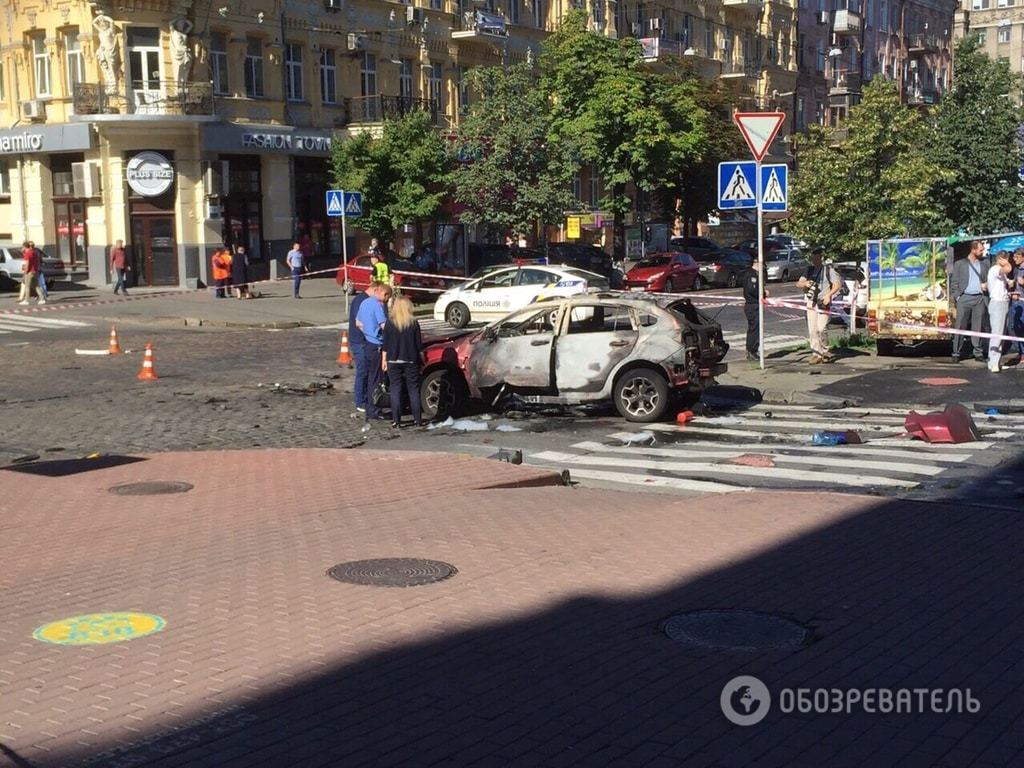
(153,488)
(736,630)
(392,572)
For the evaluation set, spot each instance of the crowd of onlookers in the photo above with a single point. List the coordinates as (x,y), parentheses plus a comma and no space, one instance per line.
(993,289)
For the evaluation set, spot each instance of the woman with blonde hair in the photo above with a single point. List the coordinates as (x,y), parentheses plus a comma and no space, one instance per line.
(402,358)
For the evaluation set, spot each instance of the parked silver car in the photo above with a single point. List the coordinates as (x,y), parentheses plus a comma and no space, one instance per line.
(787,263)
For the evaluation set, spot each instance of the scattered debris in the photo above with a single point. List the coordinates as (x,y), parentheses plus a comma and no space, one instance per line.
(469,425)
(629,438)
(508,428)
(726,420)
(214,400)
(954,425)
(512,457)
(752,460)
(310,389)
(95,352)
(992,412)
(683,417)
(329,375)
(836,438)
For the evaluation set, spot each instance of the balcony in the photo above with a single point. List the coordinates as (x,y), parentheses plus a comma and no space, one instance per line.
(479,24)
(743,6)
(921,44)
(845,82)
(739,69)
(363,110)
(151,98)
(847,23)
(922,97)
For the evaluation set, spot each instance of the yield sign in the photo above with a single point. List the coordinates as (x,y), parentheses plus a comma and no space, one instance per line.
(759,129)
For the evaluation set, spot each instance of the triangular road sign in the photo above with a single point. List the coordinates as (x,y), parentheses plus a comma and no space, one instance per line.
(738,189)
(354,206)
(773,190)
(759,129)
(334,203)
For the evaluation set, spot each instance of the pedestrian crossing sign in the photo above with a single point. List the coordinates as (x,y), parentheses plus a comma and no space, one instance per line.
(774,187)
(737,185)
(353,204)
(335,207)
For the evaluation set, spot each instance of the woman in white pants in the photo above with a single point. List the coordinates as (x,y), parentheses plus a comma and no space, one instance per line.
(998,307)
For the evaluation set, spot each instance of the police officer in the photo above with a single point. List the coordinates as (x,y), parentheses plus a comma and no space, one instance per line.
(751,304)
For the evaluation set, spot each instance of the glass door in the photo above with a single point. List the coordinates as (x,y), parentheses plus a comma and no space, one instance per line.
(146,89)
(71,234)
(154,247)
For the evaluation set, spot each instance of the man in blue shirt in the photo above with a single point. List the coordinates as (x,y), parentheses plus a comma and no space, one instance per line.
(297,263)
(357,343)
(370,320)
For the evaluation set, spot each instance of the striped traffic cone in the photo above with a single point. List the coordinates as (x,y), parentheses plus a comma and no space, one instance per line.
(344,355)
(148,373)
(115,348)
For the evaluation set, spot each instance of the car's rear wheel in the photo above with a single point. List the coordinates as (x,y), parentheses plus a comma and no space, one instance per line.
(698,283)
(732,281)
(671,286)
(641,395)
(785,274)
(442,394)
(457,315)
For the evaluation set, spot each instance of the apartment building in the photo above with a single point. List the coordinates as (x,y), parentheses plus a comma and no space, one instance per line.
(177,126)
(999,25)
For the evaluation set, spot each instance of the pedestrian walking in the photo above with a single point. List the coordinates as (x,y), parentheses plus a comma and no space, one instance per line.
(221,270)
(751,308)
(998,306)
(44,293)
(370,321)
(1016,321)
(240,273)
(30,274)
(119,266)
(357,344)
(296,262)
(402,359)
(820,285)
(967,288)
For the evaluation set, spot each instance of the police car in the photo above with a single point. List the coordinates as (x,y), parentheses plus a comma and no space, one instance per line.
(505,290)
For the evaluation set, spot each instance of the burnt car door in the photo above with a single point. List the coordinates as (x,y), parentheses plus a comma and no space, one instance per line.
(595,338)
(515,351)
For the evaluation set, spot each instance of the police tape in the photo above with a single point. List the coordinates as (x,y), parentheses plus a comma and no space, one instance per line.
(956,332)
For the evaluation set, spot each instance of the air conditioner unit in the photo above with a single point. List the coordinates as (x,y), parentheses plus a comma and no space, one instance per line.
(637,28)
(355,42)
(414,15)
(216,181)
(824,17)
(33,110)
(332,5)
(724,44)
(655,24)
(85,179)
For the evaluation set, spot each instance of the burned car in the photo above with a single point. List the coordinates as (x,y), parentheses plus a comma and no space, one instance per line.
(637,350)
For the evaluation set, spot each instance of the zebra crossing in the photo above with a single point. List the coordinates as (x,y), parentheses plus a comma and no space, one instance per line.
(15,323)
(769,447)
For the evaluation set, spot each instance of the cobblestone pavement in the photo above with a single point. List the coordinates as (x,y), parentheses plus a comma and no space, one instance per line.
(208,395)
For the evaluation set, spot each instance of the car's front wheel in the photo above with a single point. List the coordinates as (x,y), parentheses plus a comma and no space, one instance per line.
(442,394)
(785,275)
(671,286)
(641,395)
(457,315)
(698,283)
(733,280)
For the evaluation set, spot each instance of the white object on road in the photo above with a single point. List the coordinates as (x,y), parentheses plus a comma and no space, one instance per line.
(97,352)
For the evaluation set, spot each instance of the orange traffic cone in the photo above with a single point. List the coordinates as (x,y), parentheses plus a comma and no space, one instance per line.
(148,373)
(344,355)
(115,348)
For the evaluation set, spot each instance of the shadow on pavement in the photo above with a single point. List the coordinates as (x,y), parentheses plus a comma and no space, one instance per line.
(896,595)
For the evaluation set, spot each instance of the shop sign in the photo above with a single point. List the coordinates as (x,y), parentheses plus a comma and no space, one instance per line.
(21,142)
(79,228)
(149,174)
(46,138)
(62,228)
(573,228)
(286,142)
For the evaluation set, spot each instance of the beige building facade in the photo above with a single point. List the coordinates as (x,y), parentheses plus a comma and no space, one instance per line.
(1000,26)
(178,126)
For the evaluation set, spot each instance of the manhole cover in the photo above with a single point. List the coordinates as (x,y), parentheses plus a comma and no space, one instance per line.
(154,488)
(736,630)
(392,572)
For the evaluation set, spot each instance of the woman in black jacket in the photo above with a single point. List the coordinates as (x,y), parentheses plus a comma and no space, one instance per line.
(402,358)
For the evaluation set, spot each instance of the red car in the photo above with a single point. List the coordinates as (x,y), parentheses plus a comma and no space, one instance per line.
(419,288)
(668,272)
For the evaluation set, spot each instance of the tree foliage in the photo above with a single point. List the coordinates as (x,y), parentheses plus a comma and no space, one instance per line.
(976,136)
(510,175)
(877,182)
(401,173)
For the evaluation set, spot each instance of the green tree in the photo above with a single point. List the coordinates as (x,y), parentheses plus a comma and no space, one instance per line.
(402,173)
(633,125)
(512,176)
(875,183)
(975,136)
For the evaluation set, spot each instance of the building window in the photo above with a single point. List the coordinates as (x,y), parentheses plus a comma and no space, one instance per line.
(982,37)
(73,60)
(41,64)
(595,187)
(597,9)
(5,179)
(328,77)
(368,86)
(709,39)
(577,193)
(219,63)
(435,87)
(254,68)
(3,92)
(538,13)
(1004,3)
(1004,35)
(463,91)
(437,5)
(405,79)
(513,11)
(979,5)
(293,71)
(801,114)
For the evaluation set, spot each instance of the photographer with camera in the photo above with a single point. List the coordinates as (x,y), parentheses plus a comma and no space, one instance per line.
(820,285)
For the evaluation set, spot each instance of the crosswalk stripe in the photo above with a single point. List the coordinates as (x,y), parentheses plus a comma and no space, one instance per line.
(44,321)
(806,436)
(877,414)
(929,470)
(15,327)
(777,473)
(862,425)
(648,481)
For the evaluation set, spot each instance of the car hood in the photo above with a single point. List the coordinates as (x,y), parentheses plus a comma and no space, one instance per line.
(646,273)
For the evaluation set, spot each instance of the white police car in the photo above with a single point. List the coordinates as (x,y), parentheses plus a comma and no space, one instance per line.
(505,290)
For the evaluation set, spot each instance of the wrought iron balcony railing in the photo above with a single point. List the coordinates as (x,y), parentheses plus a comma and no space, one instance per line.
(152,97)
(377,109)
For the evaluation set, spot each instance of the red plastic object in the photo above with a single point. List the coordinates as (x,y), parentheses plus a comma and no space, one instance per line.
(684,416)
(954,425)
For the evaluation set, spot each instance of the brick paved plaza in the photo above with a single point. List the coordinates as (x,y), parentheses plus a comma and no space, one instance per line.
(544,649)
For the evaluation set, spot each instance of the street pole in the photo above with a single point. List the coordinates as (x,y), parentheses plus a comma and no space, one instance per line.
(760,269)
(344,252)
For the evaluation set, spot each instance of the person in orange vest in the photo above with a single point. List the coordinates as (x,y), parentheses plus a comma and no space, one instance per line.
(221,262)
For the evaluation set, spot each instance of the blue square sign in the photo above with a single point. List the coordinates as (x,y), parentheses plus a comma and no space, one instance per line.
(341,203)
(774,187)
(737,185)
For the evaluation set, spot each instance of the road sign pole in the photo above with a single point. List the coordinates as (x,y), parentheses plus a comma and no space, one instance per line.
(760,270)
(344,252)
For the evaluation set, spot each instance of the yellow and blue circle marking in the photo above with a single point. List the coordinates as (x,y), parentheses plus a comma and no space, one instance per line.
(99,628)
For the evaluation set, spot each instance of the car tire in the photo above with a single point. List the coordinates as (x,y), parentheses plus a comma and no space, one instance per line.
(698,283)
(349,288)
(641,395)
(785,275)
(442,394)
(457,315)
(732,281)
(670,286)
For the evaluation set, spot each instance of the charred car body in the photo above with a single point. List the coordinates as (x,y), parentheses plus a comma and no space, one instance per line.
(637,350)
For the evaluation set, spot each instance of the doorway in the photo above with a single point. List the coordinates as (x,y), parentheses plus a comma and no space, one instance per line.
(154,248)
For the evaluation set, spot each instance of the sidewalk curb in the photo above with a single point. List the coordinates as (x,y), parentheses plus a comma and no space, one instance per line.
(198,322)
